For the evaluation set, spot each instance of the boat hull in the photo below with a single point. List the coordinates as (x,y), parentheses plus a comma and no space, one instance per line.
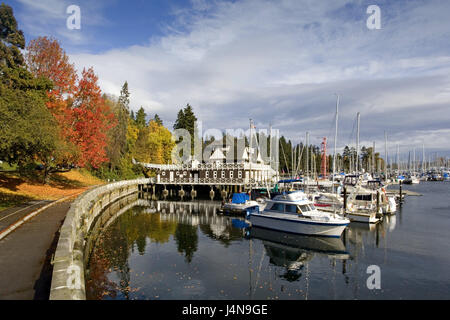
(361,217)
(322,229)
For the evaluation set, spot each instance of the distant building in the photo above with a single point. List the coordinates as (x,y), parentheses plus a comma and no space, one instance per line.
(216,171)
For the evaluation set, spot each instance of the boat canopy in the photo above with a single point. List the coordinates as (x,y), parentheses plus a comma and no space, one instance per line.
(293,196)
(240,197)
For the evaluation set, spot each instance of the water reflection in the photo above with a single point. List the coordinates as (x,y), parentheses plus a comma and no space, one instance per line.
(188,250)
(293,252)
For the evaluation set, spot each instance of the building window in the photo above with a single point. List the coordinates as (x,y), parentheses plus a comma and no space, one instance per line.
(215,174)
(163,173)
(223,173)
(231,174)
(239,174)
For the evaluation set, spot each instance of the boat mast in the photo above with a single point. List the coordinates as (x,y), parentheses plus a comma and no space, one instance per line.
(423,158)
(250,153)
(373,159)
(385,155)
(307,156)
(335,140)
(358,116)
(398,159)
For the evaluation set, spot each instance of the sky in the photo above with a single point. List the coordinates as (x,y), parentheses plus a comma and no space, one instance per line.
(280,63)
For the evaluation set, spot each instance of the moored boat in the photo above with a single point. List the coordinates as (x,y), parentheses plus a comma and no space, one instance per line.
(240,202)
(294,213)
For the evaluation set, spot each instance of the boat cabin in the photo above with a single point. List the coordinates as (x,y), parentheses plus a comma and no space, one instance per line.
(296,203)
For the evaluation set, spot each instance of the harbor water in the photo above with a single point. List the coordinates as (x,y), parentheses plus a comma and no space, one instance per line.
(188,250)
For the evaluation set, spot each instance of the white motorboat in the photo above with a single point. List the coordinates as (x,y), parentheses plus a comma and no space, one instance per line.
(362,206)
(411,180)
(240,202)
(330,202)
(294,213)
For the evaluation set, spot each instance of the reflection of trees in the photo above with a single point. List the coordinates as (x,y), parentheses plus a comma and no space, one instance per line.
(228,235)
(98,285)
(131,229)
(187,240)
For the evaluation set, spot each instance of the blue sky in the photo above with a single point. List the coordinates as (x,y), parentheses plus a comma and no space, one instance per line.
(277,62)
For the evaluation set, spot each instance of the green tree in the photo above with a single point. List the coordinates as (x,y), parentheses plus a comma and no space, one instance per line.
(141,118)
(117,147)
(186,119)
(26,125)
(157,119)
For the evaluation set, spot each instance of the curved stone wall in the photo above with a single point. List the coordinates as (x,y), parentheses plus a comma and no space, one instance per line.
(69,262)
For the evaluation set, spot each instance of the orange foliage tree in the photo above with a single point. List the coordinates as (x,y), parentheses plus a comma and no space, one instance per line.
(82,114)
(92,118)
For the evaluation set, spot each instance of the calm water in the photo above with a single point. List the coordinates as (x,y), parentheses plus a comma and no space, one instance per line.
(173,250)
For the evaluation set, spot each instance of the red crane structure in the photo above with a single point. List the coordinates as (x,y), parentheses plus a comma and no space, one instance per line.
(324,159)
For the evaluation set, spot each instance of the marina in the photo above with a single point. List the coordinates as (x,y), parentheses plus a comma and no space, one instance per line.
(189,250)
(224,150)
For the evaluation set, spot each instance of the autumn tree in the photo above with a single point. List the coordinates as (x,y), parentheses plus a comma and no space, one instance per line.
(45,58)
(92,120)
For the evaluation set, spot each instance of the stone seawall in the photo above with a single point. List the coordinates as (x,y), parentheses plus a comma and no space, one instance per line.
(68,281)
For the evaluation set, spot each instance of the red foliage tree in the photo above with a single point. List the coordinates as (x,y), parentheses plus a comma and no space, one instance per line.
(92,118)
(46,58)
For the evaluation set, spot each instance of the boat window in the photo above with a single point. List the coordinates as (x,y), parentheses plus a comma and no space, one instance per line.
(277,207)
(311,207)
(291,208)
(364,197)
(304,208)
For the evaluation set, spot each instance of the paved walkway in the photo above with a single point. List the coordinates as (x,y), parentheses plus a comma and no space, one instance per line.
(25,254)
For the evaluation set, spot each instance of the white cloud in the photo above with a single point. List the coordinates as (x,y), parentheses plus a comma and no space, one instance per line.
(281,63)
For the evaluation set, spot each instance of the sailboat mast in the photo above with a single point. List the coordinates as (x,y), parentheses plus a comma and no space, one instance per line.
(250,153)
(423,158)
(373,158)
(307,156)
(357,143)
(385,155)
(335,140)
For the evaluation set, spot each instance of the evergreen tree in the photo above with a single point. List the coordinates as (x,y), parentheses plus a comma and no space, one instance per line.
(117,147)
(180,122)
(141,118)
(26,125)
(158,120)
(186,119)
